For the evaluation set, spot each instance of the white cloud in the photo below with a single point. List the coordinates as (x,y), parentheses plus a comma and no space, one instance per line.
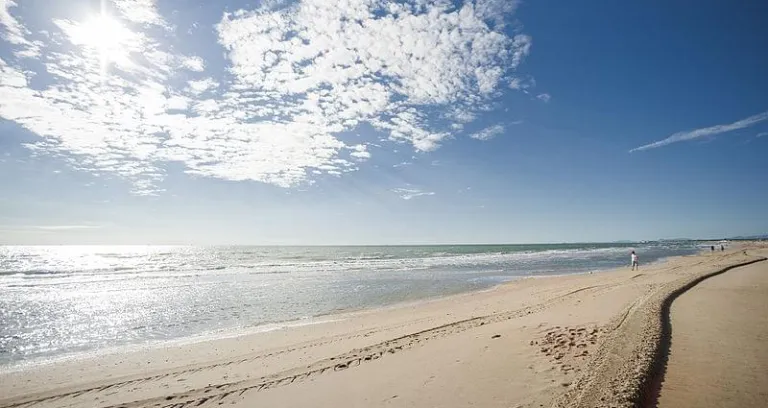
(140,11)
(360,151)
(488,133)
(203,85)
(14,32)
(193,63)
(461,115)
(410,193)
(118,99)
(10,77)
(522,83)
(177,102)
(761,134)
(708,131)
(408,125)
(495,10)
(544,97)
(521,46)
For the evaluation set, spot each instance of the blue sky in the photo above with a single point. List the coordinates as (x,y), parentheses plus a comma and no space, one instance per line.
(375,122)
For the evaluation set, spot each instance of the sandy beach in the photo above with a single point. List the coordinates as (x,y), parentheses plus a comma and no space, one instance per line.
(595,339)
(718,356)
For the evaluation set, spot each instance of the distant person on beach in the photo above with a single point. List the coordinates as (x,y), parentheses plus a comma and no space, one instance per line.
(722,248)
(635,265)
(712,248)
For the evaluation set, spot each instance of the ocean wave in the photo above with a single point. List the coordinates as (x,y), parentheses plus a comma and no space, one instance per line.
(434,260)
(34,272)
(197,262)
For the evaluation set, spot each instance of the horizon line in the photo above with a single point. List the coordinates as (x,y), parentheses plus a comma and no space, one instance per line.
(759,237)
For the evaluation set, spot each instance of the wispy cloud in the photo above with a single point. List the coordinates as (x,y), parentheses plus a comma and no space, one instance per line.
(141,12)
(544,97)
(13,30)
(49,228)
(522,84)
(761,134)
(66,227)
(708,131)
(15,33)
(118,98)
(488,133)
(409,193)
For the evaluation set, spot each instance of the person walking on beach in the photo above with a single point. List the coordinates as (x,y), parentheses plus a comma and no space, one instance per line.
(635,265)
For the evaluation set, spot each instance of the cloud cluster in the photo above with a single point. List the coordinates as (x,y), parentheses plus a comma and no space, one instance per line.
(708,131)
(110,94)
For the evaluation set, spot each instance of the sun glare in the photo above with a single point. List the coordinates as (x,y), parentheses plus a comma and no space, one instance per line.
(108,38)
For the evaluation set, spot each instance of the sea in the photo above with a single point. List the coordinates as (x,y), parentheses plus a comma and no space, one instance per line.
(59,301)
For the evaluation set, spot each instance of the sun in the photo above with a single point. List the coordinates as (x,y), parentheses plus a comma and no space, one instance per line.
(108,38)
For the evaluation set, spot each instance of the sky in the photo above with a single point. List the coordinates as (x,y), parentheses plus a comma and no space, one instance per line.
(348,122)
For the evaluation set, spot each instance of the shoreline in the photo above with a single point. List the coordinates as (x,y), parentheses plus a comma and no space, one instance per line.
(419,338)
(228,333)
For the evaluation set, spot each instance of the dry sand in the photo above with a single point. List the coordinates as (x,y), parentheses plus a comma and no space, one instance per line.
(586,340)
(719,349)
